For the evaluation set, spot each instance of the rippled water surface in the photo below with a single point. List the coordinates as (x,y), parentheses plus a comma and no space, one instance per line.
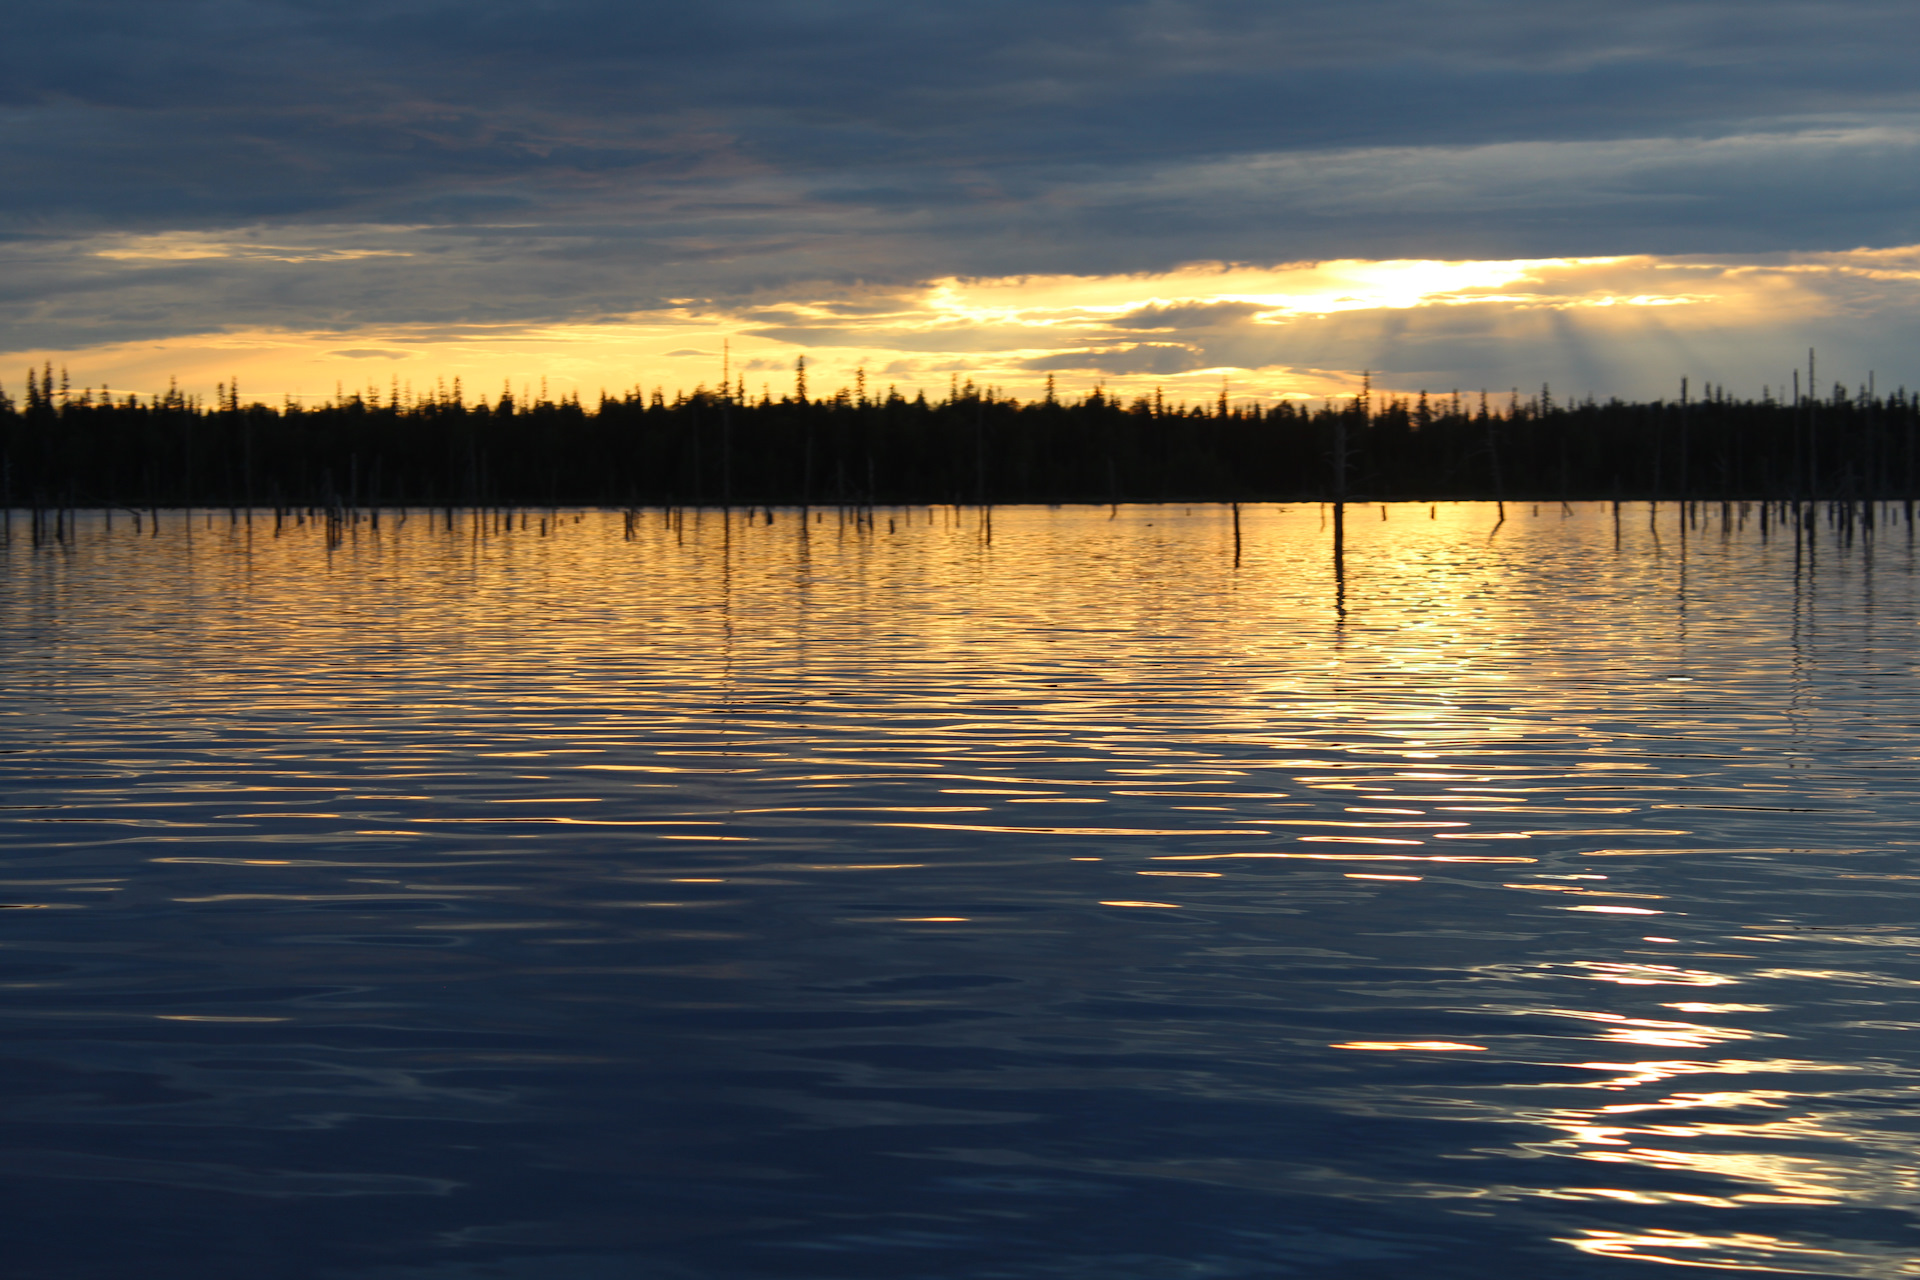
(673,897)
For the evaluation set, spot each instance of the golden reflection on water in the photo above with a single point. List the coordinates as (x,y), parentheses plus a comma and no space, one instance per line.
(1595,717)
(1740,1251)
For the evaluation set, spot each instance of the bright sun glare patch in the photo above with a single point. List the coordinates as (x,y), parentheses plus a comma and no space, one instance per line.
(1307,288)
(1618,911)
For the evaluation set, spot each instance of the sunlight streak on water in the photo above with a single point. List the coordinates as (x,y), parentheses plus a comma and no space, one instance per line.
(707,898)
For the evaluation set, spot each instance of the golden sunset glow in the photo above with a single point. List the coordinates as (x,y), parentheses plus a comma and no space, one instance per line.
(1303,331)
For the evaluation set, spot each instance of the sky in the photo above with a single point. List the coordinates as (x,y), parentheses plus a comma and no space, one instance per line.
(1273,196)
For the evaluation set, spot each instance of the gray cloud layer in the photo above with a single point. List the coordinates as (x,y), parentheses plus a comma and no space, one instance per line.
(565,159)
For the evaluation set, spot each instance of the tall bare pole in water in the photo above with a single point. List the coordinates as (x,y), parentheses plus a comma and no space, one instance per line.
(1813,426)
(1340,490)
(726,430)
(806,422)
(1686,442)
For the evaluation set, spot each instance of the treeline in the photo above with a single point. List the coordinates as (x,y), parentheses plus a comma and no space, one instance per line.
(65,447)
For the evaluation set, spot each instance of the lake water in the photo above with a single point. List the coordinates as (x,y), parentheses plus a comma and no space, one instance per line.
(670,897)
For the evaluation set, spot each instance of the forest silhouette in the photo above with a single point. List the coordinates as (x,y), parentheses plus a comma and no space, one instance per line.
(66,447)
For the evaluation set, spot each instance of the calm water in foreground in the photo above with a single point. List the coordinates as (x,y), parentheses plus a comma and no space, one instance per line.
(719,903)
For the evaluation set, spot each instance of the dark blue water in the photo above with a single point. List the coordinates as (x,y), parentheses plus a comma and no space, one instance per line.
(714,901)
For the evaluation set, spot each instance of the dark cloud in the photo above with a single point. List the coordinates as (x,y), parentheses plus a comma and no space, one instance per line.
(968,338)
(567,159)
(1138,357)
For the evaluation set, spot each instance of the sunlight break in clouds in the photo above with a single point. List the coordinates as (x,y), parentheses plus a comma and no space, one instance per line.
(1604,325)
(191,246)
